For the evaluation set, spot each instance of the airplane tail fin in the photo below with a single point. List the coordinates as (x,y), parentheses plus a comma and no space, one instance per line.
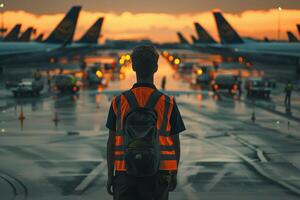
(203,35)
(64,31)
(13,34)
(194,39)
(298,27)
(226,32)
(182,39)
(92,34)
(39,38)
(25,37)
(292,37)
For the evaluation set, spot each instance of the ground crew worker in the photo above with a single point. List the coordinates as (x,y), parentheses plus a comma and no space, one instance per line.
(121,183)
(163,83)
(239,86)
(49,79)
(288,93)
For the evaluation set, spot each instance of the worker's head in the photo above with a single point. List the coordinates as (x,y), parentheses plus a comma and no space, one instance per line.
(144,61)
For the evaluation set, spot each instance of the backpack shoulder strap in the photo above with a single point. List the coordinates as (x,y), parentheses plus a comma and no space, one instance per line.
(163,128)
(131,99)
(153,99)
(118,105)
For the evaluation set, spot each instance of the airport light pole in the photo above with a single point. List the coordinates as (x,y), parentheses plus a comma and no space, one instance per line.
(279,22)
(2,5)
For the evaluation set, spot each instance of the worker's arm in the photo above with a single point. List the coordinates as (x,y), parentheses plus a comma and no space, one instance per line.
(177,126)
(177,147)
(173,180)
(110,161)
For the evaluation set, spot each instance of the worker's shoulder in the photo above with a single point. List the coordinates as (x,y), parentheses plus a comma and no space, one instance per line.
(169,99)
(116,98)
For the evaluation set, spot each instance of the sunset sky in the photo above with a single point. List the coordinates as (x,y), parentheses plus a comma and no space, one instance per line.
(157,19)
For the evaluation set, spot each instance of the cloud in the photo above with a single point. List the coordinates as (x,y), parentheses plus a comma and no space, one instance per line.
(162,27)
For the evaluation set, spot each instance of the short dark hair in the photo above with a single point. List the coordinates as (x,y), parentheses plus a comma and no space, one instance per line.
(144,60)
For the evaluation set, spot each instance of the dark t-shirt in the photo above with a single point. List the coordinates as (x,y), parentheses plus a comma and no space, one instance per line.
(176,121)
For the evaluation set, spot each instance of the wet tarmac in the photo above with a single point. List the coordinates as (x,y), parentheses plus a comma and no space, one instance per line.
(58,151)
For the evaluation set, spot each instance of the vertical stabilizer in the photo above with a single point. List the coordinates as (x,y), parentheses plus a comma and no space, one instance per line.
(13,35)
(92,34)
(226,32)
(203,36)
(182,39)
(292,37)
(64,32)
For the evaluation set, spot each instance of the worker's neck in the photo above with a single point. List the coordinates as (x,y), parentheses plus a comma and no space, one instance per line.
(145,80)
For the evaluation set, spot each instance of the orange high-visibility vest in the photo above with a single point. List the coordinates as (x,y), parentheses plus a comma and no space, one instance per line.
(163,109)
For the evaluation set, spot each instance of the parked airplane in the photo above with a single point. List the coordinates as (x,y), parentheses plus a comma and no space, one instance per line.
(20,52)
(233,44)
(292,37)
(13,35)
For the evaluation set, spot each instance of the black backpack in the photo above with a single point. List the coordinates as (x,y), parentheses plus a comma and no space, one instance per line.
(141,138)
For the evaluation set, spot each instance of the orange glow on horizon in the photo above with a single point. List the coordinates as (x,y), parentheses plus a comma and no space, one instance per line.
(157,26)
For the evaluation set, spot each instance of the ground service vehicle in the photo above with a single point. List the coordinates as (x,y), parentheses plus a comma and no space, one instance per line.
(258,87)
(63,84)
(225,82)
(28,87)
(202,75)
(187,67)
(95,76)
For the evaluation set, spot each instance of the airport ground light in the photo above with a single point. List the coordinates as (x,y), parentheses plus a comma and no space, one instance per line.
(173,59)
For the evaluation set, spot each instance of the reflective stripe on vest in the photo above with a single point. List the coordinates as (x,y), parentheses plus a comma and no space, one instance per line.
(163,109)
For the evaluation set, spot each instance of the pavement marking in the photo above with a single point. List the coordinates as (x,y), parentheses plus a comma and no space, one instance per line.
(261,155)
(187,187)
(20,191)
(190,192)
(259,169)
(217,178)
(267,108)
(259,152)
(90,178)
